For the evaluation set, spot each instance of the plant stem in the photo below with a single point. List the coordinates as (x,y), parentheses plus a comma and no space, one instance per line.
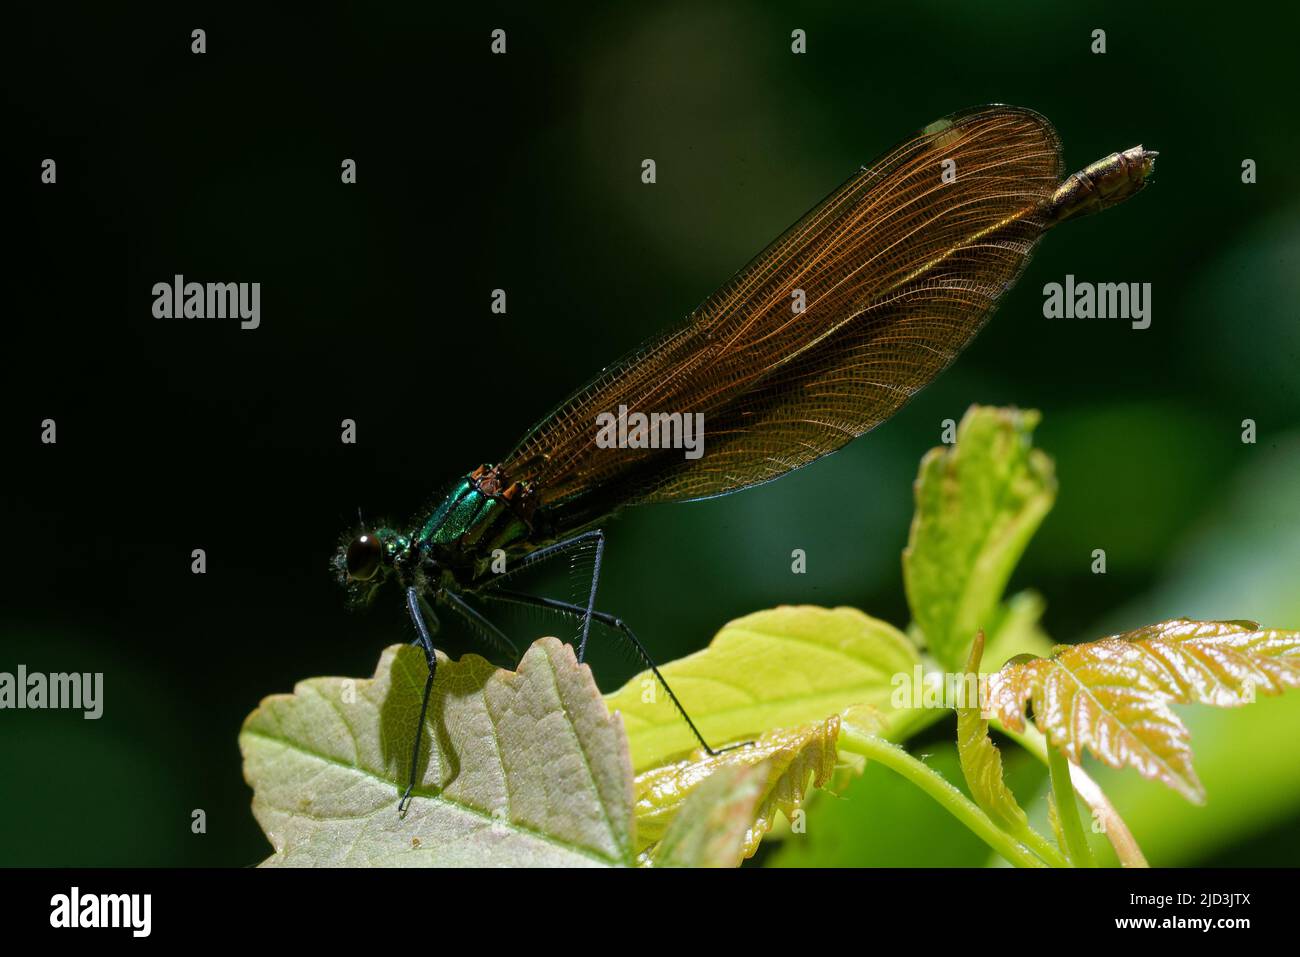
(1044,848)
(1067,810)
(1117,831)
(938,787)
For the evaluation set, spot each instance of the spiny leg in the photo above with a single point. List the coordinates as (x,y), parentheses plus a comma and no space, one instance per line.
(431,658)
(550,551)
(567,608)
(591,606)
(491,632)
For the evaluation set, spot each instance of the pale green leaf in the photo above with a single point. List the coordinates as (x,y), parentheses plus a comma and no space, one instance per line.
(794,760)
(714,822)
(981,761)
(522,768)
(977,505)
(773,669)
(1113,696)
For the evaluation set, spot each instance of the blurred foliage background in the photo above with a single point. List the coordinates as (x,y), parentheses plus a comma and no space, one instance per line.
(522,172)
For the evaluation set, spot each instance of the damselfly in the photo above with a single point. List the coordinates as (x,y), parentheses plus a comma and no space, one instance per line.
(823,336)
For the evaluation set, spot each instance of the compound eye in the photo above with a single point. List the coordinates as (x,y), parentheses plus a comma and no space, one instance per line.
(364,557)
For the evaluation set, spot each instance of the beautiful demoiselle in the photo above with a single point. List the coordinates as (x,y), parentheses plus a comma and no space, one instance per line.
(823,336)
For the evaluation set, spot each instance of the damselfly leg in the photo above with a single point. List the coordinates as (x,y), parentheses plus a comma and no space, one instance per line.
(621,627)
(425,639)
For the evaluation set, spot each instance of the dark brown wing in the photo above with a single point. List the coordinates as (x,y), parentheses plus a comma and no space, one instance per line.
(900,269)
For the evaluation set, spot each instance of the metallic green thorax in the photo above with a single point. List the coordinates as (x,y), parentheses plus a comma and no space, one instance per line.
(453,546)
(463,530)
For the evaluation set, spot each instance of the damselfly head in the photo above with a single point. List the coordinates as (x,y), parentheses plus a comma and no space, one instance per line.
(366,557)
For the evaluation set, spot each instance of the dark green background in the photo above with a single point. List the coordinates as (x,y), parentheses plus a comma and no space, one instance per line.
(522,172)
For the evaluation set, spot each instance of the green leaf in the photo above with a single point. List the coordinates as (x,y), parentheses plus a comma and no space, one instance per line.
(773,669)
(521,768)
(793,760)
(1113,696)
(714,822)
(977,505)
(981,762)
